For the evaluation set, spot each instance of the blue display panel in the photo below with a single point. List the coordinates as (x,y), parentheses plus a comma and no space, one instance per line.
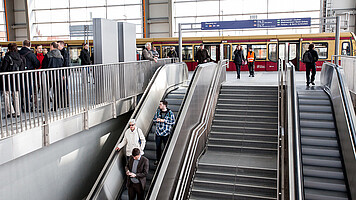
(258,23)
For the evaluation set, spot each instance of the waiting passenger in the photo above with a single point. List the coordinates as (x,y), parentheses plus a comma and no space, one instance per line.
(239,59)
(164,120)
(251,57)
(54,58)
(133,138)
(44,51)
(31,59)
(85,55)
(136,169)
(309,58)
(202,55)
(147,54)
(172,53)
(64,53)
(155,52)
(12,62)
(39,54)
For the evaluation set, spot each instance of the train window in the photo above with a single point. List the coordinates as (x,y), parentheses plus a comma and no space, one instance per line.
(272,52)
(187,52)
(158,49)
(260,51)
(166,49)
(74,52)
(244,49)
(321,48)
(345,48)
(292,51)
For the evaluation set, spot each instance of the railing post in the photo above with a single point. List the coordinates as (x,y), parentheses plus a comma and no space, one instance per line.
(46,107)
(86,101)
(114,74)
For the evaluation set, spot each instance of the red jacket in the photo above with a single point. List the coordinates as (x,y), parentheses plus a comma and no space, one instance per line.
(40,57)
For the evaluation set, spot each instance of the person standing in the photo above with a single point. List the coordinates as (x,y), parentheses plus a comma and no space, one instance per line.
(172,53)
(155,52)
(147,53)
(133,138)
(164,120)
(309,58)
(12,62)
(239,59)
(39,54)
(136,170)
(85,55)
(31,59)
(251,57)
(202,55)
(64,53)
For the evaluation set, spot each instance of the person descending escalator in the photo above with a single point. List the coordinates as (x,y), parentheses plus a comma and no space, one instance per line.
(164,120)
(133,138)
(136,170)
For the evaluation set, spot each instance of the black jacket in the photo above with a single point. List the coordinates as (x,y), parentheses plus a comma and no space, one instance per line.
(66,58)
(142,170)
(85,57)
(239,57)
(11,62)
(202,55)
(315,56)
(53,59)
(172,54)
(31,60)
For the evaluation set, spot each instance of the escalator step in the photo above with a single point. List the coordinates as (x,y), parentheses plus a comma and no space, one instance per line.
(320,151)
(316,116)
(315,108)
(325,102)
(316,124)
(314,194)
(318,133)
(319,141)
(321,161)
(323,172)
(325,184)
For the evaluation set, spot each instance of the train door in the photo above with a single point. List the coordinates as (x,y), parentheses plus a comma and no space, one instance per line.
(293,57)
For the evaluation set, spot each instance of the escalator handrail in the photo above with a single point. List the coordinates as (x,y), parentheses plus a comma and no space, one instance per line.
(296,187)
(157,172)
(108,165)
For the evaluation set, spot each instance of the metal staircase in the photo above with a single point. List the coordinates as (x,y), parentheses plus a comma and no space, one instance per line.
(241,159)
(322,162)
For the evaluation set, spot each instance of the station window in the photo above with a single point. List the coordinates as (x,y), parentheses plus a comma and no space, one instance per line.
(187,52)
(272,52)
(244,49)
(260,51)
(345,48)
(320,47)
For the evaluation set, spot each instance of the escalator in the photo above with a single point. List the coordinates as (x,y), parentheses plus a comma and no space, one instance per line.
(322,160)
(174,99)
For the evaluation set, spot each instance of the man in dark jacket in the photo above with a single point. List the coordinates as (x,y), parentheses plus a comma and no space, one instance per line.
(136,170)
(31,59)
(172,53)
(202,55)
(85,55)
(239,59)
(311,65)
(65,54)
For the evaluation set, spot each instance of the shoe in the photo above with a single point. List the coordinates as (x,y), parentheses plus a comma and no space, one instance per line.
(156,163)
(308,84)
(238,77)
(253,75)
(312,83)
(249,75)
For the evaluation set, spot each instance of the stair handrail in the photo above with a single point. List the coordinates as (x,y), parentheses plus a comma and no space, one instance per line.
(280,159)
(296,186)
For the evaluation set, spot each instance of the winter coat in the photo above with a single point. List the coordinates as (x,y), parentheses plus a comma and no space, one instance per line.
(131,140)
(54,59)
(147,55)
(66,58)
(172,54)
(11,62)
(239,57)
(202,55)
(315,58)
(40,58)
(85,57)
(31,59)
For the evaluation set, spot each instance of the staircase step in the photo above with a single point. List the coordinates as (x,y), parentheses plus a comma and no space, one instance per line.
(242,149)
(239,117)
(245,124)
(256,113)
(248,102)
(245,96)
(246,107)
(242,129)
(250,87)
(242,136)
(244,143)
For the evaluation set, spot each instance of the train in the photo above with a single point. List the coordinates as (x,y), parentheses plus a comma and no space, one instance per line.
(268,48)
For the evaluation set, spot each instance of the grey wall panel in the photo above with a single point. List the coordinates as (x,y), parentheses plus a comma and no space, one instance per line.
(64,170)
(105,41)
(127,41)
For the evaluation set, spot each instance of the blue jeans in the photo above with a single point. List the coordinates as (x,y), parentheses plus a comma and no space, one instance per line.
(159,141)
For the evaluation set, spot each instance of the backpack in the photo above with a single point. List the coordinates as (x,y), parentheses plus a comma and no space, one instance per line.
(13,66)
(308,57)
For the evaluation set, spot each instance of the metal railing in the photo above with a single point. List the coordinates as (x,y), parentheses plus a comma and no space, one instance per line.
(38,97)
(348,63)
(190,135)
(280,152)
(296,188)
